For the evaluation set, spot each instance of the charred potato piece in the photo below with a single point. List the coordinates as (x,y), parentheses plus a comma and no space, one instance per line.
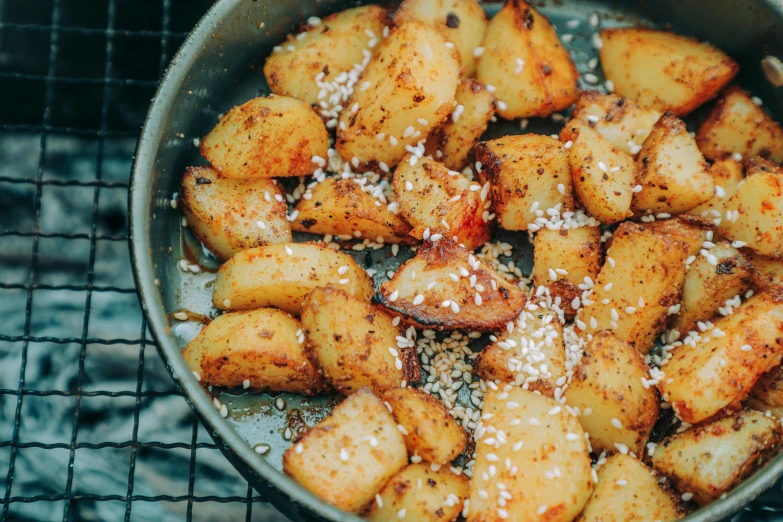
(727,176)
(767,272)
(767,394)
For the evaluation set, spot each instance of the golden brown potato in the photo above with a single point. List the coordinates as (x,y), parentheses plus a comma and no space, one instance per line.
(616,408)
(353,343)
(717,373)
(758,165)
(525,61)
(520,358)
(432,197)
(575,250)
(328,48)
(281,275)
(708,286)
(430,430)
(461,22)
(727,176)
(767,272)
(624,123)
(663,70)
(453,140)
(549,477)
(689,229)
(411,85)
(737,124)
(347,457)
(260,347)
(435,290)
(671,170)
(420,494)
(229,215)
(603,175)
(267,137)
(710,459)
(641,279)
(340,207)
(767,394)
(628,491)
(523,170)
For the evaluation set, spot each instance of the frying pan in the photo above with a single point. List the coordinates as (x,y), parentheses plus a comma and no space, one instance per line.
(219,66)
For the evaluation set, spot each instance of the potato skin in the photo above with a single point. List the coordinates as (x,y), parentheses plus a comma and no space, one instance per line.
(710,459)
(270,137)
(726,174)
(340,207)
(432,433)
(737,124)
(331,47)
(548,80)
(260,346)
(412,76)
(270,276)
(767,394)
(703,379)
(523,169)
(315,460)
(663,70)
(349,341)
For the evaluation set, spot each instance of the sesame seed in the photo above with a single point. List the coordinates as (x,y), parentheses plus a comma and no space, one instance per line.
(687,496)
(478,51)
(393,296)
(541,510)
(288,250)
(418,299)
(621,482)
(636,189)
(746,347)
(617,424)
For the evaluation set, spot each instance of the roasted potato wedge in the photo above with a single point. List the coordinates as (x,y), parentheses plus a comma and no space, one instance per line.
(347,458)
(270,137)
(543,442)
(727,176)
(641,279)
(411,86)
(327,49)
(281,275)
(737,124)
(663,70)
(430,430)
(353,343)
(461,22)
(615,407)
(432,197)
(260,347)
(710,459)
(340,207)
(767,394)
(452,141)
(525,61)
(703,378)
(420,494)
(523,170)
(767,272)
(435,290)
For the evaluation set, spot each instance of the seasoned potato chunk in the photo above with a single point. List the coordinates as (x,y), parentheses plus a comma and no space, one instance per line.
(260,347)
(420,494)
(549,477)
(671,170)
(616,408)
(663,70)
(641,279)
(624,123)
(710,459)
(442,294)
(347,457)
(758,165)
(411,85)
(737,124)
(708,285)
(326,50)
(767,272)
(727,176)
(575,250)
(340,207)
(689,229)
(524,357)
(713,374)
(461,22)
(267,137)
(429,429)
(525,61)
(603,175)
(523,170)
(767,394)
(628,491)
(353,343)
(281,275)
(432,197)
(453,140)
